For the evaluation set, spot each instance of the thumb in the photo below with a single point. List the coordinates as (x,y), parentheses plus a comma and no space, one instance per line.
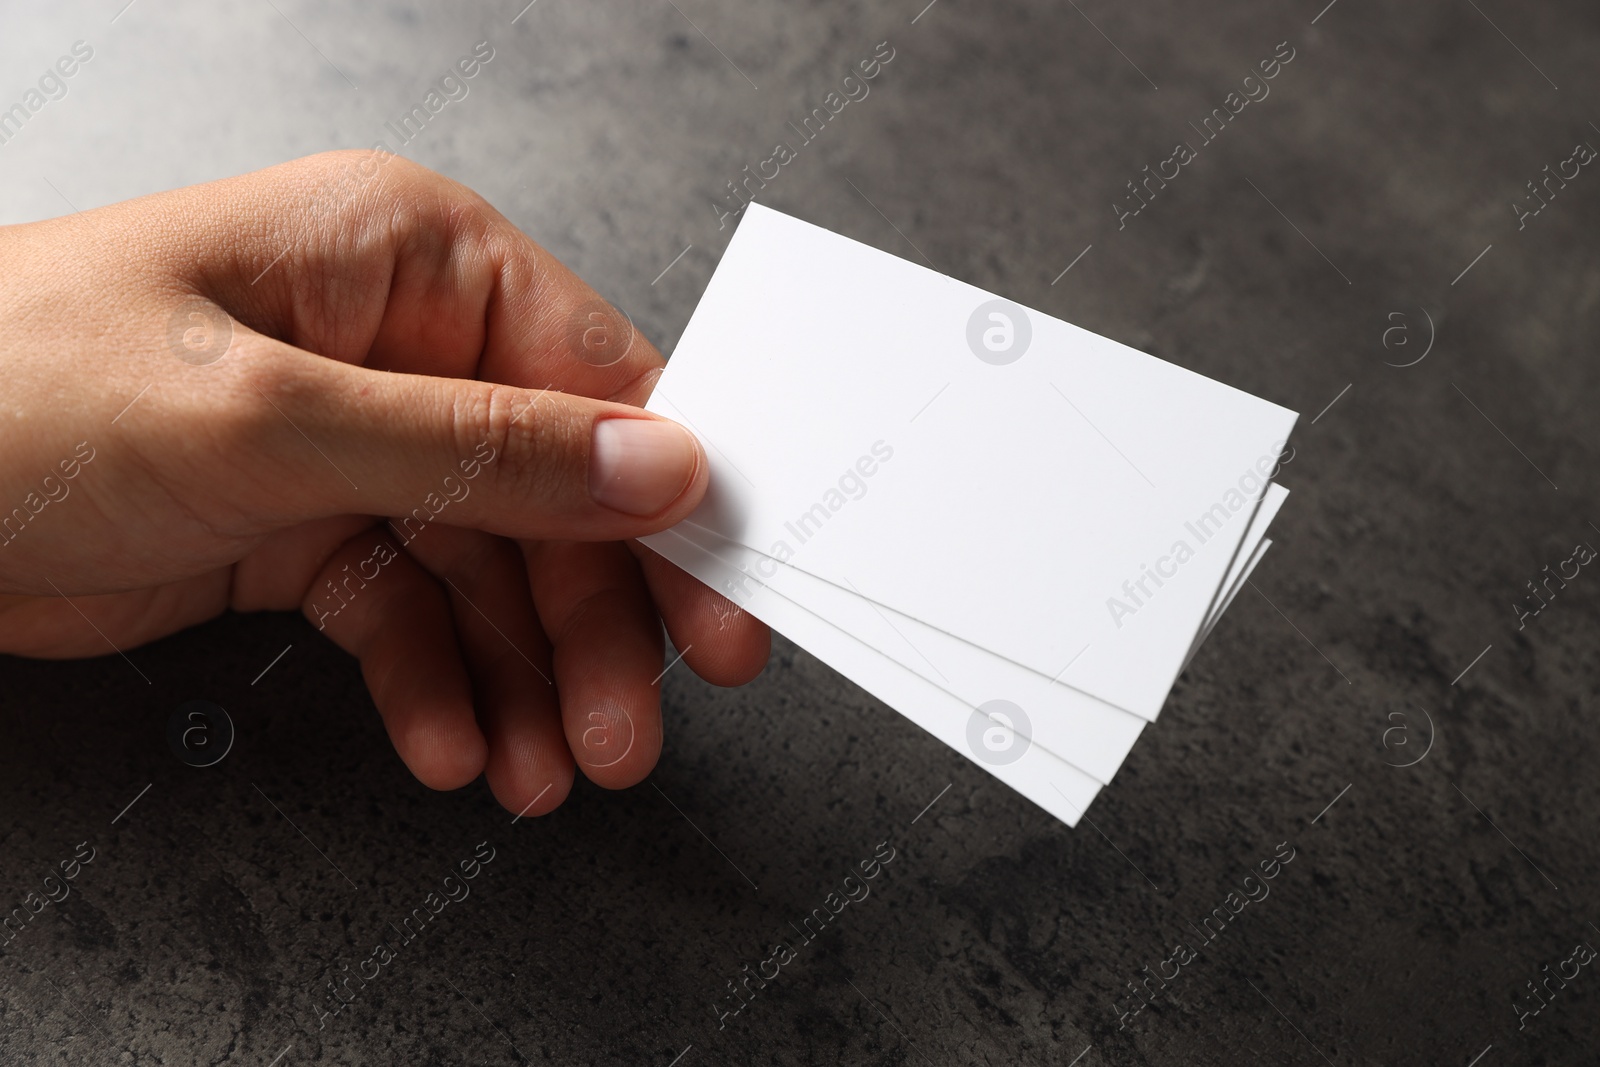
(332,438)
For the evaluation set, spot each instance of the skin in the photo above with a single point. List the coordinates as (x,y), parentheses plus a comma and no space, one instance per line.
(385,322)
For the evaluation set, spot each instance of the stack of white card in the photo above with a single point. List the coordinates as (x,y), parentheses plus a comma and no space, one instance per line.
(1011,530)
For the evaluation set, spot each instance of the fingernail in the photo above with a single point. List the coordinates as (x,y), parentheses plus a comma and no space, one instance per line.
(639,466)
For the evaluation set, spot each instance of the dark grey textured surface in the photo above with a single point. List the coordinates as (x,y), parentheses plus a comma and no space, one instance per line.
(994,144)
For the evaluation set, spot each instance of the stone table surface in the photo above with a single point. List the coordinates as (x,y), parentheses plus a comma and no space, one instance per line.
(1354,218)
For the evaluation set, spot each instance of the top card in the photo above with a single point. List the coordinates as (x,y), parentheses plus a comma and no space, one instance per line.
(1055,497)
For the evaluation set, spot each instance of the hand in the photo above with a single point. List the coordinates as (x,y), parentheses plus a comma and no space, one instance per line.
(212,397)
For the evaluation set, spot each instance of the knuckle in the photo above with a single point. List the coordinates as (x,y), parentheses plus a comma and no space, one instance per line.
(345,187)
(268,396)
(527,439)
(264,385)
(209,453)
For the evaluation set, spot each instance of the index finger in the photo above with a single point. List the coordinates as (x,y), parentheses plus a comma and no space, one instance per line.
(368,258)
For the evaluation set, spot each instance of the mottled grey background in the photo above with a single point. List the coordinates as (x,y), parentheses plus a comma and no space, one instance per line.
(1384,161)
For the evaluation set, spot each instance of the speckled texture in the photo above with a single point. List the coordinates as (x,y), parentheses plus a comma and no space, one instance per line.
(995,142)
